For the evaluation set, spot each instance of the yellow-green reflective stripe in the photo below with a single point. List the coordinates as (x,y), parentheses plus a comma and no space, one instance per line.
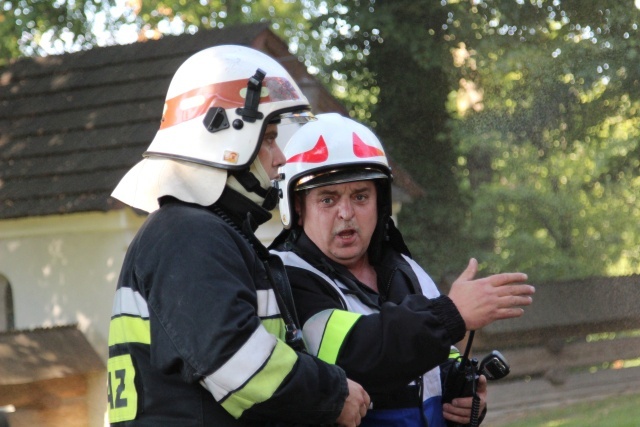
(126,329)
(262,386)
(454,353)
(274,326)
(121,390)
(338,326)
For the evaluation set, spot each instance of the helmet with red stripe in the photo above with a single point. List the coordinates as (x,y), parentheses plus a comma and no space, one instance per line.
(332,150)
(216,112)
(218,104)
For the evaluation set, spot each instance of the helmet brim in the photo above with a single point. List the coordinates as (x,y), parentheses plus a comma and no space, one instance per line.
(332,177)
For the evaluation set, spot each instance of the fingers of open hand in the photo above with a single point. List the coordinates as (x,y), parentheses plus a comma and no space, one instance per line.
(469,273)
(509,306)
(506,278)
(515,290)
(509,301)
(508,313)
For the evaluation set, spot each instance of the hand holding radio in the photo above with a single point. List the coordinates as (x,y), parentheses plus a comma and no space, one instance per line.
(463,378)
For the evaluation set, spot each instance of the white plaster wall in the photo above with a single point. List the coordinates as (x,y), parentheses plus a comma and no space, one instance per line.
(64,269)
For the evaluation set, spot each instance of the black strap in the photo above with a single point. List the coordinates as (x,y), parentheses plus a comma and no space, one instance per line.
(252,184)
(249,182)
(282,288)
(277,276)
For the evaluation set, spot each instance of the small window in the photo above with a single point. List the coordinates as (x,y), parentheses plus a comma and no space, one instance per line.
(6,305)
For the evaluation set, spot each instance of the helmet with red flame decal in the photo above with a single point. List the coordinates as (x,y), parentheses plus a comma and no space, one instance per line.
(216,111)
(333,150)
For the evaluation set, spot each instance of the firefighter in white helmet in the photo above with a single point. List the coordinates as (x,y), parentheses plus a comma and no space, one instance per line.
(201,334)
(363,302)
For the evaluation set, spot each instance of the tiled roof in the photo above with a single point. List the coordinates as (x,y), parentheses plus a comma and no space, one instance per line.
(45,353)
(72,125)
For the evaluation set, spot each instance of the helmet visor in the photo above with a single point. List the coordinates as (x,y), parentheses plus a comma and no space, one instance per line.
(294,117)
(337,176)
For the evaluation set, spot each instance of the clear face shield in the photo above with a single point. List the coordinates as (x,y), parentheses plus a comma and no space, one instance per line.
(288,124)
(297,117)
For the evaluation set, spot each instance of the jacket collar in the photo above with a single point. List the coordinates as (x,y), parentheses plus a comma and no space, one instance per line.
(238,208)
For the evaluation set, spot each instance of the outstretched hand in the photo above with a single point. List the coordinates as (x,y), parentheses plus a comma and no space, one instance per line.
(482,301)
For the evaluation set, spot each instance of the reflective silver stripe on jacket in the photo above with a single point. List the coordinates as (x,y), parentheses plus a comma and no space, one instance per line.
(242,366)
(128,301)
(350,302)
(314,330)
(429,288)
(267,303)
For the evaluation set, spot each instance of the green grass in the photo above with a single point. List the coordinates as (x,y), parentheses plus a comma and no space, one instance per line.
(619,411)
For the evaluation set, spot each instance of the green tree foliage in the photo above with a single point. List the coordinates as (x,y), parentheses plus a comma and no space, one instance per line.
(389,69)
(550,151)
(27,25)
(177,16)
(543,104)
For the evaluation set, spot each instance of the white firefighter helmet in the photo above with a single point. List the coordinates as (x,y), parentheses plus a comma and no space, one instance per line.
(216,111)
(331,150)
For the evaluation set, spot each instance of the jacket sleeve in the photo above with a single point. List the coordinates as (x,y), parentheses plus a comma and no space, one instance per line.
(383,350)
(205,326)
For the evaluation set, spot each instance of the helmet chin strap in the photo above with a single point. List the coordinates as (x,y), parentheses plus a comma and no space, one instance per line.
(253,186)
(272,199)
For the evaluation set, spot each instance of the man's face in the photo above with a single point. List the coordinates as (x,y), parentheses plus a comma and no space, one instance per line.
(340,219)
(270,155)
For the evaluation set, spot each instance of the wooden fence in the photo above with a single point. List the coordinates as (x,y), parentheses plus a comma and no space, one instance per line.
(571,326)
(578,341)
